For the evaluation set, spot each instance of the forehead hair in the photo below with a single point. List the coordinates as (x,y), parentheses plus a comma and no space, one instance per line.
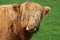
(29,9)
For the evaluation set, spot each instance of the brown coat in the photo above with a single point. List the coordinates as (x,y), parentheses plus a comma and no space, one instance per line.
(14,20)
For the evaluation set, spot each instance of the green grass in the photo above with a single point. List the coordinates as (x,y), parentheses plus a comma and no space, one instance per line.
(50,25)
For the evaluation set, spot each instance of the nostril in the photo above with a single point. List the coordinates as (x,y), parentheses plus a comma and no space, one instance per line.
(27,28)
(34,29)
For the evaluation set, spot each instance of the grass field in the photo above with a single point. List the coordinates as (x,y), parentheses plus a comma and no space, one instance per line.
(50,25)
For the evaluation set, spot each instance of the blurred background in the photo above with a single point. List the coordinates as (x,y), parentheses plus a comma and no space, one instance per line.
(50,25)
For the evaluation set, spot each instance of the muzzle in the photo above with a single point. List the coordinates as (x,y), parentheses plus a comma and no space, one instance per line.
(32,29)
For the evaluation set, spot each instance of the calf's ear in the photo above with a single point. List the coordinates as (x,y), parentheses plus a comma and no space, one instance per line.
(46,10)
(16,7)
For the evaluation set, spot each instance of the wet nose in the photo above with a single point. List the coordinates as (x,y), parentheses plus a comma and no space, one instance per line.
(30,28)
(35,29)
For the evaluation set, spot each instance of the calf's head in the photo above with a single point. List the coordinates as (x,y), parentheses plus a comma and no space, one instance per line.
(32,13)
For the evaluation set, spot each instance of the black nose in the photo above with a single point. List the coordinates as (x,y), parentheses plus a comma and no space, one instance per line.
(34,30)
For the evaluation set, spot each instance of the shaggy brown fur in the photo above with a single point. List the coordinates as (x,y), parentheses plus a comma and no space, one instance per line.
(8,22)
(31,13)
(19,22)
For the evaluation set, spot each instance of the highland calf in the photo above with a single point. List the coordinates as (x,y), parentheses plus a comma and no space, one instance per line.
(20,22)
